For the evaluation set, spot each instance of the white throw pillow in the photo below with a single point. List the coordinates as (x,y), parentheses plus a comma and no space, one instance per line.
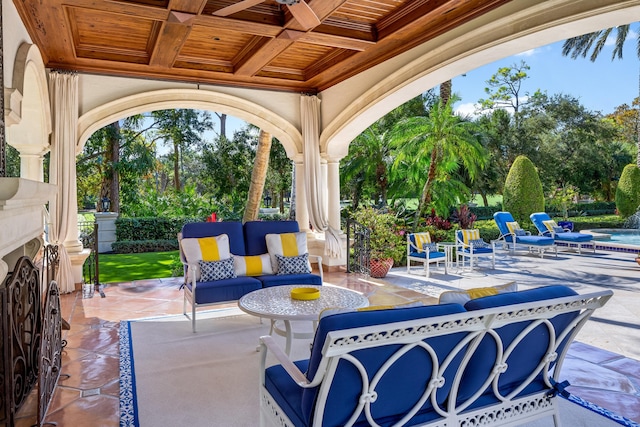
(286,244)
(213,248)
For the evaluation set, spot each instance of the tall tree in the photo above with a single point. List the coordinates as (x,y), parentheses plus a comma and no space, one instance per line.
(182,129)
(595,42)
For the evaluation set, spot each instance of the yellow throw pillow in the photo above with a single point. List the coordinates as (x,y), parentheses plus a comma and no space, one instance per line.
(513,226)
(461,297)
(468,235)
(421,240)
(286,244)
(213,248)
(252,265)
(550,224)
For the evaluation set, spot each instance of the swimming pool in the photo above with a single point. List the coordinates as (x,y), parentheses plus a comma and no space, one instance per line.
(616,239)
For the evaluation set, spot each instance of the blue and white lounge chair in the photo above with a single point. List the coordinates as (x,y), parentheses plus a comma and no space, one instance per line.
(548,227)
(470,246)
(512,236)
(421,249)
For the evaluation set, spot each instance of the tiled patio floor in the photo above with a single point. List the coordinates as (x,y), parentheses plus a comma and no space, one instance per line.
(89,396)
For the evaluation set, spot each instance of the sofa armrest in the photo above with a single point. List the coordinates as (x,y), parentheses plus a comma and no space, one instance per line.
(318,259)
(267,343)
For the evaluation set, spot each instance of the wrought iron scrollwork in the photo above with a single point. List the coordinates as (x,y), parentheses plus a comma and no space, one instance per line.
(51,353)
(358,248)
(22,326)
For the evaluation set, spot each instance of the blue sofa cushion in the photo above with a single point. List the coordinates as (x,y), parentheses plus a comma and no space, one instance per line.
(224,290)
(527,354)
(233,229)
(254,232)
(289,279)
(405,380)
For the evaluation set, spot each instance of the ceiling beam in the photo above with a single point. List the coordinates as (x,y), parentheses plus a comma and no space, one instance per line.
(172,35)
(322,9)
(257,59)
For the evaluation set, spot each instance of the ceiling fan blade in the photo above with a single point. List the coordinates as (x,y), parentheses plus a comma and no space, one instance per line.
(236,7)
(304,15)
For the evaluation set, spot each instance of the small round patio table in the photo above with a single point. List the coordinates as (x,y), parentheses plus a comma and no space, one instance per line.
(275,303)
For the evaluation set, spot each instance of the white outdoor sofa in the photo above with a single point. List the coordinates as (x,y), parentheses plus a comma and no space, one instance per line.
(494,361)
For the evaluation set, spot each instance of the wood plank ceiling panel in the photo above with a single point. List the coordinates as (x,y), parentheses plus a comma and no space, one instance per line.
(259,46)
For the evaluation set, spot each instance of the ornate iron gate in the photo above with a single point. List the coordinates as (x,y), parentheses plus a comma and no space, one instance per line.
(91,268)
(52,324)
(358,252)
(21,337)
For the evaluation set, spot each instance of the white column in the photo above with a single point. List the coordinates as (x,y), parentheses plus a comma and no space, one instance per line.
(31,166)
(333,193)
(302,214)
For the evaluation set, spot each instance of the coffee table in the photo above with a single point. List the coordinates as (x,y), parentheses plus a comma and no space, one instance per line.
(275,303)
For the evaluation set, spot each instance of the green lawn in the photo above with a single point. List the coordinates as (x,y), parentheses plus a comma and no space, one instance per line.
(128,267)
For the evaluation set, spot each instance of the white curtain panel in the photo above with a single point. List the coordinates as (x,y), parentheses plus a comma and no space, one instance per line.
(314,185)
(63,87)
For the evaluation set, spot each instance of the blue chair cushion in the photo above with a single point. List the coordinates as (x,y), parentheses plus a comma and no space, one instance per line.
(432,255)
(526,355)
(535,240)
(574,237)
(402,380)
(224,290)
(477,250)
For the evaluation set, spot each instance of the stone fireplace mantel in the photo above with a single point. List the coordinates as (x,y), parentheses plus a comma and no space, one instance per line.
(22,219)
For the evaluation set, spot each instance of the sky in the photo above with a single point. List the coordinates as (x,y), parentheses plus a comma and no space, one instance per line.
(600,86)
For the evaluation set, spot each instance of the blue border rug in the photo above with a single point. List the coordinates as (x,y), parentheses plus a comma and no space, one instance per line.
(129,404)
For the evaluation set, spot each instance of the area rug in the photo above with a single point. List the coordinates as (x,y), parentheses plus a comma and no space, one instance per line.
(172,376)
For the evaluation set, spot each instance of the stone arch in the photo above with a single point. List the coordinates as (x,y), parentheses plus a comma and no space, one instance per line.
(105,114)
(481,42)
(28,116)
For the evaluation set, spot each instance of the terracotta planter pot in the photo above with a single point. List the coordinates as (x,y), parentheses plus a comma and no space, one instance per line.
(638,260)
(380,267)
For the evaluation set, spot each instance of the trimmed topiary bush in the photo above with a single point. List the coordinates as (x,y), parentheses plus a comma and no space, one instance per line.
(523,193)
(628,191)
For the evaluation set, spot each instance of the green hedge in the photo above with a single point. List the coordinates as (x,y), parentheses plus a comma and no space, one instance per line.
(138,246)
(135,229)
(575,209)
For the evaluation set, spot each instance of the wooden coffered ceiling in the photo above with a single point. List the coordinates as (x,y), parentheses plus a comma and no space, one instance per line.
(251,43)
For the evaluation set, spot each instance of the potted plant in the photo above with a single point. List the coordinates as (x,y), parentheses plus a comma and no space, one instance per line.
(638,258)
(561,199)
(386,242)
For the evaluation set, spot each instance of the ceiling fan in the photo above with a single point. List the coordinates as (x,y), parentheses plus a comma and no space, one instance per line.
(300,10)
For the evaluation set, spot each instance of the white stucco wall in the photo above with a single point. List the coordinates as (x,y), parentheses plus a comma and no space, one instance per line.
(13,35)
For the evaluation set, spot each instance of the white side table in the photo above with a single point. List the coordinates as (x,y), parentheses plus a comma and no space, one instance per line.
(275,303)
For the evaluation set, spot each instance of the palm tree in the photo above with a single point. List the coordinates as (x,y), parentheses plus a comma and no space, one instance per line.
(581,45)
(258,176)
(440,142)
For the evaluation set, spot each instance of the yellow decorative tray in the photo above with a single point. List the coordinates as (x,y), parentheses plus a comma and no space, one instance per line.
(305,294)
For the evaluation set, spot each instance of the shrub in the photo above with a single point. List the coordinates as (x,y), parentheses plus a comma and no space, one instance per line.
(464,217)
(523,193)
(628,191)
(150,228)
(385,237)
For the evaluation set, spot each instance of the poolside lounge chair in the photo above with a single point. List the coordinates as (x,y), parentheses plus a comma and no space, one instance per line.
(470,246)
(548,227)
(512,236)
(420,249)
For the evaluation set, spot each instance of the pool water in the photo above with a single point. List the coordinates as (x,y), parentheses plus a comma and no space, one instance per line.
(620,236)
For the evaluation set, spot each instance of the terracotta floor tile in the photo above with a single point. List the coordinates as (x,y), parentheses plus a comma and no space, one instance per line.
(90,397)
